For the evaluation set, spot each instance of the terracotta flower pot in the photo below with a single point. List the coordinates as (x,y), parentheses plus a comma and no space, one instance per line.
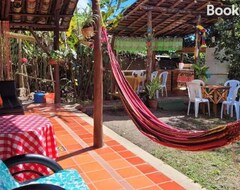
(153,104)
(88,32)
(55,61)
(52,62)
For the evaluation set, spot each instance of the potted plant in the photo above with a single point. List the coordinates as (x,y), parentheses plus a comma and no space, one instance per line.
(56,56)
(88,23)
(200,71)
(152,87)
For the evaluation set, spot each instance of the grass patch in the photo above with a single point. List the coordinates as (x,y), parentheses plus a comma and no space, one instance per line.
(214,170)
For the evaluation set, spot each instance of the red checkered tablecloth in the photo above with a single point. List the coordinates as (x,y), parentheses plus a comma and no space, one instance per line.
(21,134)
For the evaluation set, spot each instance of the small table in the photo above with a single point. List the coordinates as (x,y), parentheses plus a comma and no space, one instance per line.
(135,82)
(22,134)
(216,94)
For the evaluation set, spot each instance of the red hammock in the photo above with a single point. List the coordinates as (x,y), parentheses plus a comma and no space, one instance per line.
(162,133)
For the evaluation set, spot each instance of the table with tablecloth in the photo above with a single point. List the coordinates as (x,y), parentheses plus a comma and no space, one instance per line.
(135,82)
(21,134)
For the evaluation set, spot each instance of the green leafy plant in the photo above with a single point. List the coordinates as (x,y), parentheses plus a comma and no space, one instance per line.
(152,88)
(56,54)
(200,71)
(88,18)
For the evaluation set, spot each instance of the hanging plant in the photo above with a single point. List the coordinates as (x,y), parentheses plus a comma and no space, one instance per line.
(88,23)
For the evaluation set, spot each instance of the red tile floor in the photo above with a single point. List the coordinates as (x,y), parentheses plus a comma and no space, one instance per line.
(111,167)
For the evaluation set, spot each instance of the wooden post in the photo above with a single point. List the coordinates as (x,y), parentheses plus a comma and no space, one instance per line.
(149,47)
(20,65)
(197,42)
(98,78)
(56,67)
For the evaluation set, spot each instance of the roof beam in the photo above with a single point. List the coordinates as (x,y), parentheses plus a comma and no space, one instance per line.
(33,25)
(132,11)
(169,27)
(40,15)
(144,15)
(159,16)
(136,8)
(170,10)
(183,28)
(174,24)
(170,18)
(166,14)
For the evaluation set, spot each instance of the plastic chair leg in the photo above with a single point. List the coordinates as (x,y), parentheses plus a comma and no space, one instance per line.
(222,111)
(166,91)
(196,105)
(189,104)
(208,109)
(227,109)
(157,94)
(231,110)
(237,111)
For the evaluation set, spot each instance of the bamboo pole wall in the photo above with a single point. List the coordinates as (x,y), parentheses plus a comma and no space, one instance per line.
(5,56)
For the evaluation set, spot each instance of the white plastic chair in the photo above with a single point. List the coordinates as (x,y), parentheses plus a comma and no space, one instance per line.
(195,96)
(231,96)
(198,81)
(163,78)
(153,76)
(237,108)
(231,101)
(139,73)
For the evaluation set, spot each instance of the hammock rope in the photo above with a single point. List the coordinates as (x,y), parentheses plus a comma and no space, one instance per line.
(160,132)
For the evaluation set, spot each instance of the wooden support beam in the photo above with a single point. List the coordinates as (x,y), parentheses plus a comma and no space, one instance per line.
(40,15)
(45,49)
(144,26)
(22,36)
(197,41)
(149,47)
(171,10)
(3,10)
(7,10)
(56,47)
(26,26)
(98,78)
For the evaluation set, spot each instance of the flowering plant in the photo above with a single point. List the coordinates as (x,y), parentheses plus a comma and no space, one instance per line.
(24,60)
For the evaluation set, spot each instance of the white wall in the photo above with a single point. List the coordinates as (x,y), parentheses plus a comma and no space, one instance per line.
(218,71)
